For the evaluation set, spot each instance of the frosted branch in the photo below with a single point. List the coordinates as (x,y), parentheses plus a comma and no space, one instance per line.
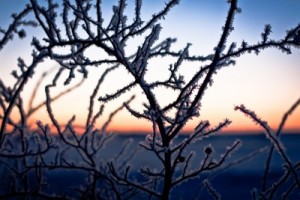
(272,137)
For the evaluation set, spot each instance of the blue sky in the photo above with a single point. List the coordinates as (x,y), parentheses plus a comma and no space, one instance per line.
(268,83)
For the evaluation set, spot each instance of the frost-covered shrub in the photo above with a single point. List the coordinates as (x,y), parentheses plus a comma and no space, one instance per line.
(77,26)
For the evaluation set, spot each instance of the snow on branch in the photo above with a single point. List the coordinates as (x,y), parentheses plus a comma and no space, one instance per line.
(278,133)
(18,20)
(272,137)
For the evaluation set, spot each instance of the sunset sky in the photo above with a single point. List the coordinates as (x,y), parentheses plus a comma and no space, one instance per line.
(268,83)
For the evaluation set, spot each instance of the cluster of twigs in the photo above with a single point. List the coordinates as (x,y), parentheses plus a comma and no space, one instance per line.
(28,155)
(291,170)
(81,26)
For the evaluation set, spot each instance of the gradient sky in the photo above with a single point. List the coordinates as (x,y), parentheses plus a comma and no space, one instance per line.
(268,83)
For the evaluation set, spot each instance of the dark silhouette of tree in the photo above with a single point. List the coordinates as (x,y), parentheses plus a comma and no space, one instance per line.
(79,25)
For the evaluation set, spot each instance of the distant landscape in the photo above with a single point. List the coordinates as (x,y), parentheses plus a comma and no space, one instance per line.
(240,174)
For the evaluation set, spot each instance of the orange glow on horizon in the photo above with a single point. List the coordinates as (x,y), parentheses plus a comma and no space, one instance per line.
(136,126)
(125,123)
(143,127)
